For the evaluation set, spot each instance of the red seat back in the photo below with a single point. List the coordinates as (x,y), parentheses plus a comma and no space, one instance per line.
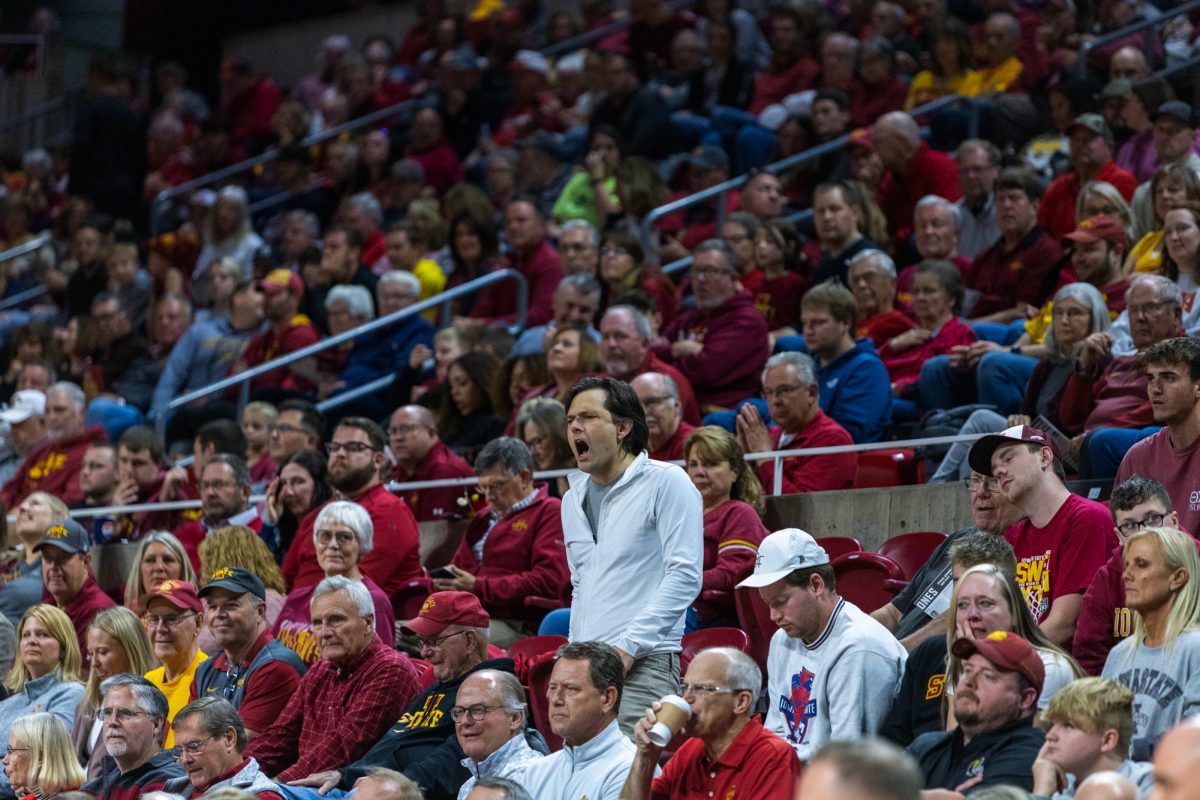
(539,705)
(705,638)
(835,546)
(868,580)
(755,619)
(408,599)
(912,550)
(425,676)
(882,468)
(525,652)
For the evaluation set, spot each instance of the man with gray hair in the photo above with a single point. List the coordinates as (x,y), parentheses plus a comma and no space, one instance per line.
(497,789)
(574,305)
(209,740)
(254,671)
(134,715)
(872,280)
(790,389)
(579,248)
(659,396)
(490,720)
(728,749)
(720,345)
(224,485)
(913,170)
(626,336)
(363,213)
(514,549)
(346,700)
(978,167)
(53,466)
(867,769)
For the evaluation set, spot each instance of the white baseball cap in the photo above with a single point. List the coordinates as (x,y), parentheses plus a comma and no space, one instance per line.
(782,553)
(24,404)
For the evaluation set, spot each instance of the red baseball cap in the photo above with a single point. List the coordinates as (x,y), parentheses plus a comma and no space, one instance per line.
(180,594)
(861,137)
(1100,228)
(443,609)
(1006,651)
(980,456)
(277,280)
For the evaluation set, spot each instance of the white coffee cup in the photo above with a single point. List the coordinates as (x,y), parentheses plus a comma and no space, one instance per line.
(672,715)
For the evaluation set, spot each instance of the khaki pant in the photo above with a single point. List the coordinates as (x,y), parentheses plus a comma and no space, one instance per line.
(505,632)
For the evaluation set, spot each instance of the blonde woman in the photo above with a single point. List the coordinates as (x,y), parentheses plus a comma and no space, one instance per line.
(160,557)
(46,674)
(39,762)
(20,567)
(239,546)
(1159,566)
(116,643)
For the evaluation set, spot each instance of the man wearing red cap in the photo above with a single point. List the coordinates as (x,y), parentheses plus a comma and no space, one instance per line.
(995,701)
(452,628)
(1062,541)
(173,618)
(290,330)
(67,577)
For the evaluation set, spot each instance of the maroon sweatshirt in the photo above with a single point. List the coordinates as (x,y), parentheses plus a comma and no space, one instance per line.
(729,368)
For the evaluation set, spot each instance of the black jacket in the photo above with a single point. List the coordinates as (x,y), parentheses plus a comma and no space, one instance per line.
(1001,756)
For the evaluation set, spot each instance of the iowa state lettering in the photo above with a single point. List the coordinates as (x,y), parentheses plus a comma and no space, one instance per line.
(1158,686)
(430,715)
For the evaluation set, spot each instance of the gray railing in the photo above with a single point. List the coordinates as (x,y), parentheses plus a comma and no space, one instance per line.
(443,300)
(1085,50)
(721,191)
(32,246)
(163,199)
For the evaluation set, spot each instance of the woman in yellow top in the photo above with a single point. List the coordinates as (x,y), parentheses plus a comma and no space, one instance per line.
(173,616)
(1171,185)
(950,68)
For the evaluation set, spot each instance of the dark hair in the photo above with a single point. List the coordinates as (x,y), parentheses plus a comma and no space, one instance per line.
(605,668)
(785,235)
(948,277)
(628,243)
(354,239)
(800,577)
(1152,93)
(836,96)
(223,434)
(142,437)
(317,467)
(216,715)
(484,229)
(310,417)
(622,404)
(605,130)
(950,28)
(1181,350)
(1020,179)
(368,426)
(1135,490)
(40,333)
(481,369)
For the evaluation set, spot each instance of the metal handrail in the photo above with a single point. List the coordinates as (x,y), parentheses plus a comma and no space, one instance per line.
(721,190)
(681,264)
(1133,27)
(370,387)
(160,201)
(579,40)
(242,379)
(50,106)
(33,245)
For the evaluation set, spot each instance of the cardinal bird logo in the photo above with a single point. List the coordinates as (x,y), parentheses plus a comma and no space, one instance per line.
(799,707)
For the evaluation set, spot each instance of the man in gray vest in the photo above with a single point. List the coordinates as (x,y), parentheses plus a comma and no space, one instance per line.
(209,740)
(256,673)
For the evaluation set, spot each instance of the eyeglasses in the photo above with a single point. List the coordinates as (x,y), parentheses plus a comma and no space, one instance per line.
(189,749)
(491,487)
(655,402)
(436,644)
(701,689)
(974,484)
(351,448)
(710,272)
(781,391)
(152,620)
(219,486)
(1130,527)
(613,251)
(325,536)
(477,712)
(1149,309)
(123,714)
(403,430)
(283,427)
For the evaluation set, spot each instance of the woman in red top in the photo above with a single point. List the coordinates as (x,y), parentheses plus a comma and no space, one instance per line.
(733,500)
(937,299)
(778,254)
(622,268)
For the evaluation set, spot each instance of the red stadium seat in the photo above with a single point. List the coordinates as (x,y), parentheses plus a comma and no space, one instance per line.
(425,674)
(883,468)
(705,638)
(525,652)
(539,705)
(835,546)
(755,619)
(868,580)
(407,601)
(912,550)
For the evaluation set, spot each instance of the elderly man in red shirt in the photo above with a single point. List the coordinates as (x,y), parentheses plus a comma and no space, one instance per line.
(790,388)
(1091,160)
(659,396)
(348,699)
(728,748)
(422,456)
(913,170)
(625,336)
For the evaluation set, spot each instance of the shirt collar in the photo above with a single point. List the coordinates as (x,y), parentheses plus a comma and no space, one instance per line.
(522,504)
(496,761)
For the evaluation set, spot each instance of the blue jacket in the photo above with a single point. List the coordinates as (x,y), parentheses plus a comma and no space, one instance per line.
(202,356)
(385,351)
(855,389)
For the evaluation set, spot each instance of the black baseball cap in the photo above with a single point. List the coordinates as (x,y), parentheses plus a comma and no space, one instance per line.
(236,580)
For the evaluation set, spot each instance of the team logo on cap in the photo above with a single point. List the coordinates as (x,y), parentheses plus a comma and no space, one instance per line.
(429,605)
(223,572)
(58,532)
(168,585)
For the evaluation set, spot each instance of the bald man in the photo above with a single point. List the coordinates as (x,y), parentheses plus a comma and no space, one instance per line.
(1002,38)
(912,170)
(1128,63)
(1107,786)
(421,456)
(1177,762)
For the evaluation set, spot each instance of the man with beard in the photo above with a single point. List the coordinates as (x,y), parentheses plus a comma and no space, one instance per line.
(134,713)
(224,500)
(995,701)
(355,461)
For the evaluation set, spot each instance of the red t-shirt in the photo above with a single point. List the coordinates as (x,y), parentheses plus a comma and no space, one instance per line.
(673,449)
(430,504)
(1061,558)
(756,764)
(732,533)
(268,688)
(778,300)
(1177,469)
(777,82)
(811,473)
(1057,211)
(884,327)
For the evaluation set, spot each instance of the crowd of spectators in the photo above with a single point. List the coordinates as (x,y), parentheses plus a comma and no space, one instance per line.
(1019,263)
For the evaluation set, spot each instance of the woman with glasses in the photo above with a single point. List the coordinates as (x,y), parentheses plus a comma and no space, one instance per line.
(46,674)
(302,485)
(1160,564)
(622,267)
(116,642)
(239,546)
(343,535)
(172,619)
(38,762)
(542,426)
(160,557)
(1078,311)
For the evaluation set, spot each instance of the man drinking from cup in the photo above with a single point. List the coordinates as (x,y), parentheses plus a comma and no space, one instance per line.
(729,748)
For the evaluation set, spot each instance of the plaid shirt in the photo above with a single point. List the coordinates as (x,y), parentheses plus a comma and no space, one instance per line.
(337,714)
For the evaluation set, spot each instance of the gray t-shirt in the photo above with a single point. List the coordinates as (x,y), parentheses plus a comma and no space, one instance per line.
(591,506)
(21,590)
(1165,682)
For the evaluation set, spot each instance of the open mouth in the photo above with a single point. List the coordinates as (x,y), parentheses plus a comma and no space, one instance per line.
(581,447)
